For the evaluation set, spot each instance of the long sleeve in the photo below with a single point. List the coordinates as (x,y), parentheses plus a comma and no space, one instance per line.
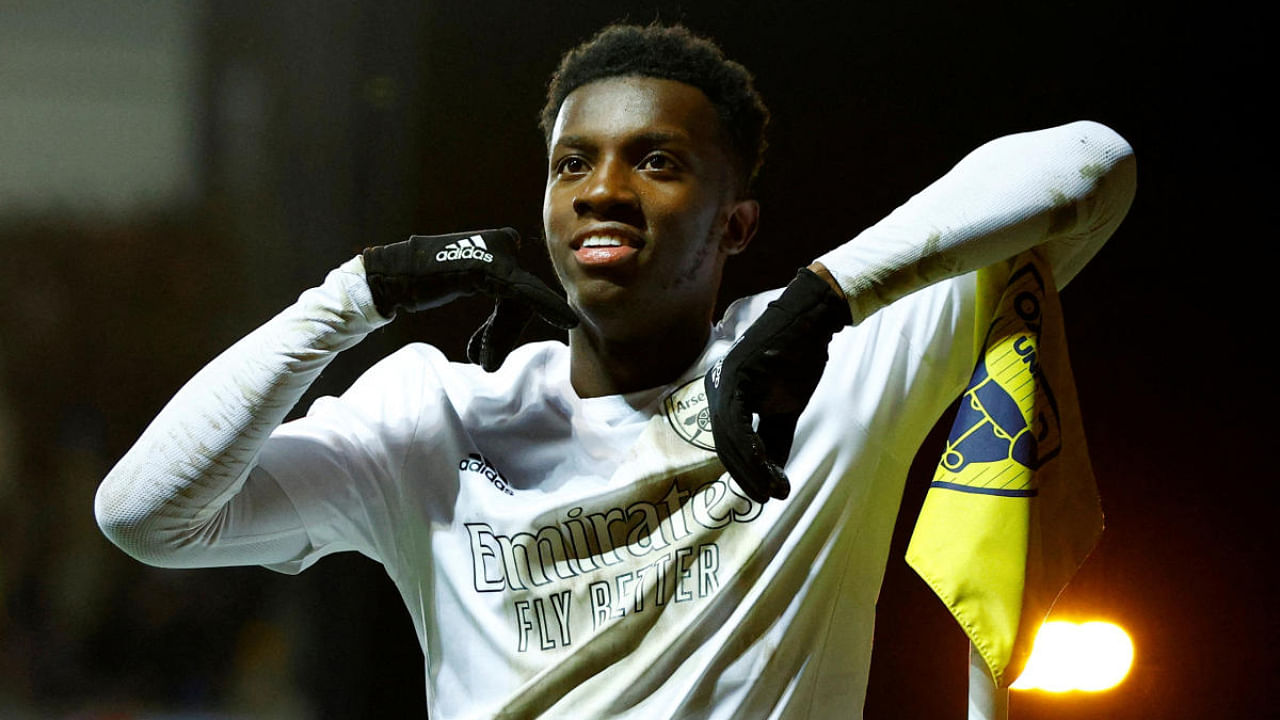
(179,497)
(1065,189)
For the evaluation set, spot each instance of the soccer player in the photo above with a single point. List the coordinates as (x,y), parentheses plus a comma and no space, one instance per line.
(664,518)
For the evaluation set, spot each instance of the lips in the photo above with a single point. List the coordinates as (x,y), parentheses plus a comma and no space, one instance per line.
(606,247)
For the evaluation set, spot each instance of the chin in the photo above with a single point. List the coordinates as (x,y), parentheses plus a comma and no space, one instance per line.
(600,290)
(615,313)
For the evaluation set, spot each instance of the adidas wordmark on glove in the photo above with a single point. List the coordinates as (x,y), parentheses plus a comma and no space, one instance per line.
(427,271)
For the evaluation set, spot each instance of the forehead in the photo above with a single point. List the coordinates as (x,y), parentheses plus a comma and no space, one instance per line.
(621,107)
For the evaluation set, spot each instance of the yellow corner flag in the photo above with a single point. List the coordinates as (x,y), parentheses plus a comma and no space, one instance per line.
(1013,508)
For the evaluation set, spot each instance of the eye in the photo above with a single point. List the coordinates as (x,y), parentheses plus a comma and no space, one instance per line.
(658,162)
(571,165)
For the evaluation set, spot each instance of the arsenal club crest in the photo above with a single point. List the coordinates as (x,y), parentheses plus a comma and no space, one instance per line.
(689,414)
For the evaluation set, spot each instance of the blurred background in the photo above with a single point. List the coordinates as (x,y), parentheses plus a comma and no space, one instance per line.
(174,173)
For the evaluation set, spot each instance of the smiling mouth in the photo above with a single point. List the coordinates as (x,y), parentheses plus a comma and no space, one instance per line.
(599,241)
(605,238)
(603,249)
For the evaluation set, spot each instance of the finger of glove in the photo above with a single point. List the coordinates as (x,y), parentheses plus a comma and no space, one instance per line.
(747,461)
(777,432)
(760,469)
(497,337)
(760,454)
(740,448)
(547,303)
(504,240)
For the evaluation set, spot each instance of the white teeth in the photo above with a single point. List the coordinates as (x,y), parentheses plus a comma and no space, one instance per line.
(599,241)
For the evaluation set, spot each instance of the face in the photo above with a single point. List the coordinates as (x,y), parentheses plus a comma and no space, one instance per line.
(641,205)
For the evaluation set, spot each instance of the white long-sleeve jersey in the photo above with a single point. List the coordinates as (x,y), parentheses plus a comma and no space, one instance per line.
(569,557)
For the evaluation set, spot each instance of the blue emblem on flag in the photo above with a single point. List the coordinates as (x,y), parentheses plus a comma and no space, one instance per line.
(1008,424)
(988,428)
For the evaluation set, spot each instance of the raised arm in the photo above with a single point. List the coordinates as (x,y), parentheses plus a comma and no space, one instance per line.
(168,502)
(188,494)
(1064,190)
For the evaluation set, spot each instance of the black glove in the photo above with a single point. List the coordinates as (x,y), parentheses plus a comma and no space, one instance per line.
(428,271)
(772,370)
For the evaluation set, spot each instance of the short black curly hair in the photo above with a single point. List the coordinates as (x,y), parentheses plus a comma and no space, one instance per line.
(670,53)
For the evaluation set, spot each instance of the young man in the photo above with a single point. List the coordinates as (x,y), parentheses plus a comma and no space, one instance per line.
(562,530)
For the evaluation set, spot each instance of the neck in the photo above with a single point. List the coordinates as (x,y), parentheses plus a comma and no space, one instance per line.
(601,366)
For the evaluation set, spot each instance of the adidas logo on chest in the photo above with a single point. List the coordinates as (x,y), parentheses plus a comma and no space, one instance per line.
(478,466)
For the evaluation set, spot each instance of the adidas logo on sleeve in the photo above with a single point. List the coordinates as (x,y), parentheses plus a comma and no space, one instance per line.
(472,248)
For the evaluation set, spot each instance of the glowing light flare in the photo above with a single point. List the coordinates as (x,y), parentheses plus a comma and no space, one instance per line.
(1091,656)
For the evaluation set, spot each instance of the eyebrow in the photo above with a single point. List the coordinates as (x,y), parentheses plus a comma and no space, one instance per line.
(651,137)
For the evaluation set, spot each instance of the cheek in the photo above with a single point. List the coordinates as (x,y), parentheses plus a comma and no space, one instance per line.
(553,227)
(558,214)
(553,219)
(546,210)
(701,218)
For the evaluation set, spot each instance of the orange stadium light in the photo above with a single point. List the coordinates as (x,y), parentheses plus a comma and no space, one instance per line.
(1089,657)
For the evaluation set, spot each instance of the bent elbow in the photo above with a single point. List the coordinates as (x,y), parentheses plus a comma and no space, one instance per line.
(129,521)
(1107,165)
(121,522)
(1098,181)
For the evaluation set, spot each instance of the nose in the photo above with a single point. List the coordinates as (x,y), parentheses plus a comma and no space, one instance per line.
(607,192)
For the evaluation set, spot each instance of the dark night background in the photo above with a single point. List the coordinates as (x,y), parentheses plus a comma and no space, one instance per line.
(315,129)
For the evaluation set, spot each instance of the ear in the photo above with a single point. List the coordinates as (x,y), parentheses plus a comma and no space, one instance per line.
(740,227)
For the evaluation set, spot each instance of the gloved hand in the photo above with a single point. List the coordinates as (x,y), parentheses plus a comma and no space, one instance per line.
(428,271)
(772,371)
